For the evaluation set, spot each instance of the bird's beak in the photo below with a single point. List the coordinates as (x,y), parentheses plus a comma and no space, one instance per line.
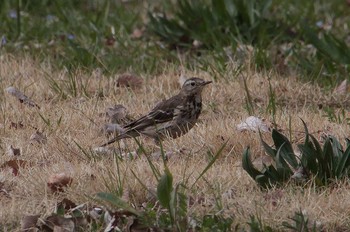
(207,82)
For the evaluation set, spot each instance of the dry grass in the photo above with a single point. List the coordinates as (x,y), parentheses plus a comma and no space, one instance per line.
(224,107)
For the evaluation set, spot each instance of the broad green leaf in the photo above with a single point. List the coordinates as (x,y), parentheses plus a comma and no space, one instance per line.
(269,150)
(328,158)
(271,173)
(248,165)
(318,150)
(164,188)
(280,161)
(286,149)
(308,158)
(116,201)
(263,181)
(343,163)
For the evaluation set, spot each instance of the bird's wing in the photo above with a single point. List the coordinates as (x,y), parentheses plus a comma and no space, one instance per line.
(163,112)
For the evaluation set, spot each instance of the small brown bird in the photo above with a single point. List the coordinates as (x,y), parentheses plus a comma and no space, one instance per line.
(173,117)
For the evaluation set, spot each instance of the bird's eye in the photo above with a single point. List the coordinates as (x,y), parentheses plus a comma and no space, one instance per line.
(193,84)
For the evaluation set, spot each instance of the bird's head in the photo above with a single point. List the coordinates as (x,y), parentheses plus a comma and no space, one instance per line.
(194,85)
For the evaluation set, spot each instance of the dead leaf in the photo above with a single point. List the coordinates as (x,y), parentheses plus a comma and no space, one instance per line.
(116,114)
(38,137)
(129,81)
(21,97)
(253,123)
(58,223)
(13,151)
(29,223)
(15,165)
(58,181)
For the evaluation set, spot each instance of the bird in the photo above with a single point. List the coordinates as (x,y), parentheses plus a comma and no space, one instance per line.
(172,118)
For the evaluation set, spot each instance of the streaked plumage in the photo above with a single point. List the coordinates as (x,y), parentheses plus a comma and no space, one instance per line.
(173,117)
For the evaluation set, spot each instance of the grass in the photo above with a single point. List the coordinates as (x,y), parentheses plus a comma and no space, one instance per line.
(66,59)
(225,189)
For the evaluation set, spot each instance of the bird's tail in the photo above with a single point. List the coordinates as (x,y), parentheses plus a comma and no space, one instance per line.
(119,137)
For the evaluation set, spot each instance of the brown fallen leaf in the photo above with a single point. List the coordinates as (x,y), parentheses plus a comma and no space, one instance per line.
(21,97)
(13,151)
(15,165)
(58,223)
(57,182)
(29,223)
(129,81)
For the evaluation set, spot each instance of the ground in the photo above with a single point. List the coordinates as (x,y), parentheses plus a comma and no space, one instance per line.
(72,125)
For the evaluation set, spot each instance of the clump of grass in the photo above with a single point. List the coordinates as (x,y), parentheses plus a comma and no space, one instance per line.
(277,39)
(77,35)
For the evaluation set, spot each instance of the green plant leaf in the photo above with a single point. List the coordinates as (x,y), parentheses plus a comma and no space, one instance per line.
(309,158)
(269,150)
(328,155)
(164,188)
(116,201)
(343,164)
(263,181)
(248,165)
(286,149)
(280,161)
